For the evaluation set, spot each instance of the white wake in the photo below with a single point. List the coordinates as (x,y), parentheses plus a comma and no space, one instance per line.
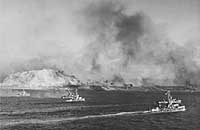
(50,121)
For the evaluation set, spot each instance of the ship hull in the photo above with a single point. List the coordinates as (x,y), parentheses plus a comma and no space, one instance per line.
(74,101)
(168,111)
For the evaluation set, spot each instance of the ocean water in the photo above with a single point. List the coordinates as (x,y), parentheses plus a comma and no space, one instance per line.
(114,110)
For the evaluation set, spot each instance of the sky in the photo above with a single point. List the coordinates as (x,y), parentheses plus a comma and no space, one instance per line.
(55,30)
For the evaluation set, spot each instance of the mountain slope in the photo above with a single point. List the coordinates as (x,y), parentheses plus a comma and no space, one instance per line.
(39,79)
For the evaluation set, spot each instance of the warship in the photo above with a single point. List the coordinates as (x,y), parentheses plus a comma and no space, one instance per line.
(171,105)
(73,97)
(23,94)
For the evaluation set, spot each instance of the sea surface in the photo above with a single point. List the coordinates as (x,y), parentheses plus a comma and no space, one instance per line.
(113,110)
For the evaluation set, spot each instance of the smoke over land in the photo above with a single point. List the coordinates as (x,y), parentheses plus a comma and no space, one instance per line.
(103,40)
(135,47)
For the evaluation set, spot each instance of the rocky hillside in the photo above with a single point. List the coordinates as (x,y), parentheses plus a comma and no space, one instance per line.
(39,79)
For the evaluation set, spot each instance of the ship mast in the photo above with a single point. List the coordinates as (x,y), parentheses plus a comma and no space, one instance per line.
(169,97)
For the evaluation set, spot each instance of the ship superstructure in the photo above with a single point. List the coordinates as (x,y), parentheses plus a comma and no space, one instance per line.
(170,105)
(73,96)
(23,93)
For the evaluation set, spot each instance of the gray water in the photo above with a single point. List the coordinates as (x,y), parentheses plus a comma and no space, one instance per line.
(115,110)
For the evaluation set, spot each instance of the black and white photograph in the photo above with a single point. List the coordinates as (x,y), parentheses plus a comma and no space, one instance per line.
(99,64)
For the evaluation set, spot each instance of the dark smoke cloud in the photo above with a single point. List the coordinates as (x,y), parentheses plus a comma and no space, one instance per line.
(108,24)
(130,29)
(93,39)
(140,45)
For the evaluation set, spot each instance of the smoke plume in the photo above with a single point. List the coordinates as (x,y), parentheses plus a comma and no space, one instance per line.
(135,45)
(99,39)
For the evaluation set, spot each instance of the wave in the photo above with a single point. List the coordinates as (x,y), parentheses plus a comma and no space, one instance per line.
(56,109)
(50,121)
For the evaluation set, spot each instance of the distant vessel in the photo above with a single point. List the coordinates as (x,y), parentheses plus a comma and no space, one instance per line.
(23,94)
(73,97)
(171,105)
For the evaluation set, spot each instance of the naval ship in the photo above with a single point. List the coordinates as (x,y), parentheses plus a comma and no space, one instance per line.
(73,97)
(23,93)
(171,105)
